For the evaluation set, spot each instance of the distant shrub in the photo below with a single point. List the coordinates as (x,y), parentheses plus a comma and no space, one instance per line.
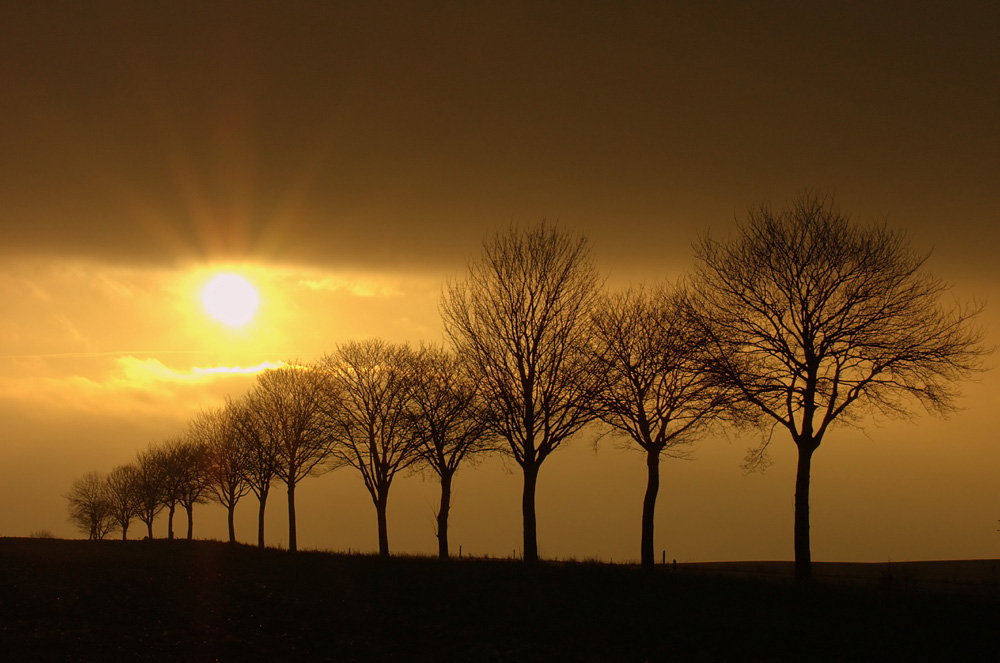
(42,534)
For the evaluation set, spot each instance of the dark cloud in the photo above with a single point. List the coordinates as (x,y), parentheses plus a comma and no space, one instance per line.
(395,135)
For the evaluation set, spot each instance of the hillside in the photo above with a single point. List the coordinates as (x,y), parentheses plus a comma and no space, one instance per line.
(207,601)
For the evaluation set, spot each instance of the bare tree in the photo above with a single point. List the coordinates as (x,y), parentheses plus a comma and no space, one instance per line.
(149,487)
(171,458)
(521,318)
(261,462)
(657,392)
(194,488)
(367,415)
(227,457)
(122,485)
(817,320)
(287,405)
(448,422)
(89,506)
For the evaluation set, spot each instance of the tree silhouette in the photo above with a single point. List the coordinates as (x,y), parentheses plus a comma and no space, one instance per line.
(657,392)
(367,415)
(90,508)
(227,457)
(448,422)
(149,486)
(521,318)
(816,320)
(261,462)
(287,403)
(194,486)
(172,460)
(122,486)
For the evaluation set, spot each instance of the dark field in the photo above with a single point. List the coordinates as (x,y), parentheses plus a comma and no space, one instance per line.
(208,601)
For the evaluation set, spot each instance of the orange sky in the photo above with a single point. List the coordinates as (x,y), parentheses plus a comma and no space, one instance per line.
(348,161)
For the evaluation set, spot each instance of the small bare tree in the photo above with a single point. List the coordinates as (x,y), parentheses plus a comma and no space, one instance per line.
(122,485)
(448,421)
(261,462)
(287,405)
(657,392)
(367,415)
(227,457)
(172,460)
(149,487)
(521,318)
(90,508)
(194,488)
(815,320)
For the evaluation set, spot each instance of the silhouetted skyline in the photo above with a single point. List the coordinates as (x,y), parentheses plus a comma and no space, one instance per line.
(348,160)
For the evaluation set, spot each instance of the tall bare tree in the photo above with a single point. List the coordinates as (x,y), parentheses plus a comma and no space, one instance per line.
(149,486)
(122,484)
(90,508)
(448,422)
(817,320)
(367,415)
(261,456)
(287,403)
(227,457)
(521,318)
(657,392)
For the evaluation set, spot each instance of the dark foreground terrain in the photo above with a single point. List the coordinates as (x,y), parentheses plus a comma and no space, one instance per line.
(208,601)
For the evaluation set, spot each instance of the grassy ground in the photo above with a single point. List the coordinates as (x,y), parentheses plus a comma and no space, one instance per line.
(976,577)
(208,601)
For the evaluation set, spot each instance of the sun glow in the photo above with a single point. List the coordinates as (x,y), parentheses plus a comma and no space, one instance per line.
(230,299)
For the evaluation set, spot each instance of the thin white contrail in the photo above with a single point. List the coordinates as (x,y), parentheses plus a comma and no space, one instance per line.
(115,353)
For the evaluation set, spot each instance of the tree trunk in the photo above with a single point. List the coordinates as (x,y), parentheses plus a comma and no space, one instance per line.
(292,544)
(125,532)
(232,522)
(262,498)
(149,529)
(170,522)
(383,528)
(803,557)
(190,515)
(649,506)
(530,553)
(442,516)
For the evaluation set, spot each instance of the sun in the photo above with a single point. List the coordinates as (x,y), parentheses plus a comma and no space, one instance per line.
(230,299)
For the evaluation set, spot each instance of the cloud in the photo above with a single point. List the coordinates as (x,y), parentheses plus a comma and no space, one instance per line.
(129,387)
(356,287)
(236,370)
(151,371)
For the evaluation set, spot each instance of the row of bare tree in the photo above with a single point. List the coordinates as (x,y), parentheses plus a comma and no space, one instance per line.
(175,473)
(801,320)
(374,406)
